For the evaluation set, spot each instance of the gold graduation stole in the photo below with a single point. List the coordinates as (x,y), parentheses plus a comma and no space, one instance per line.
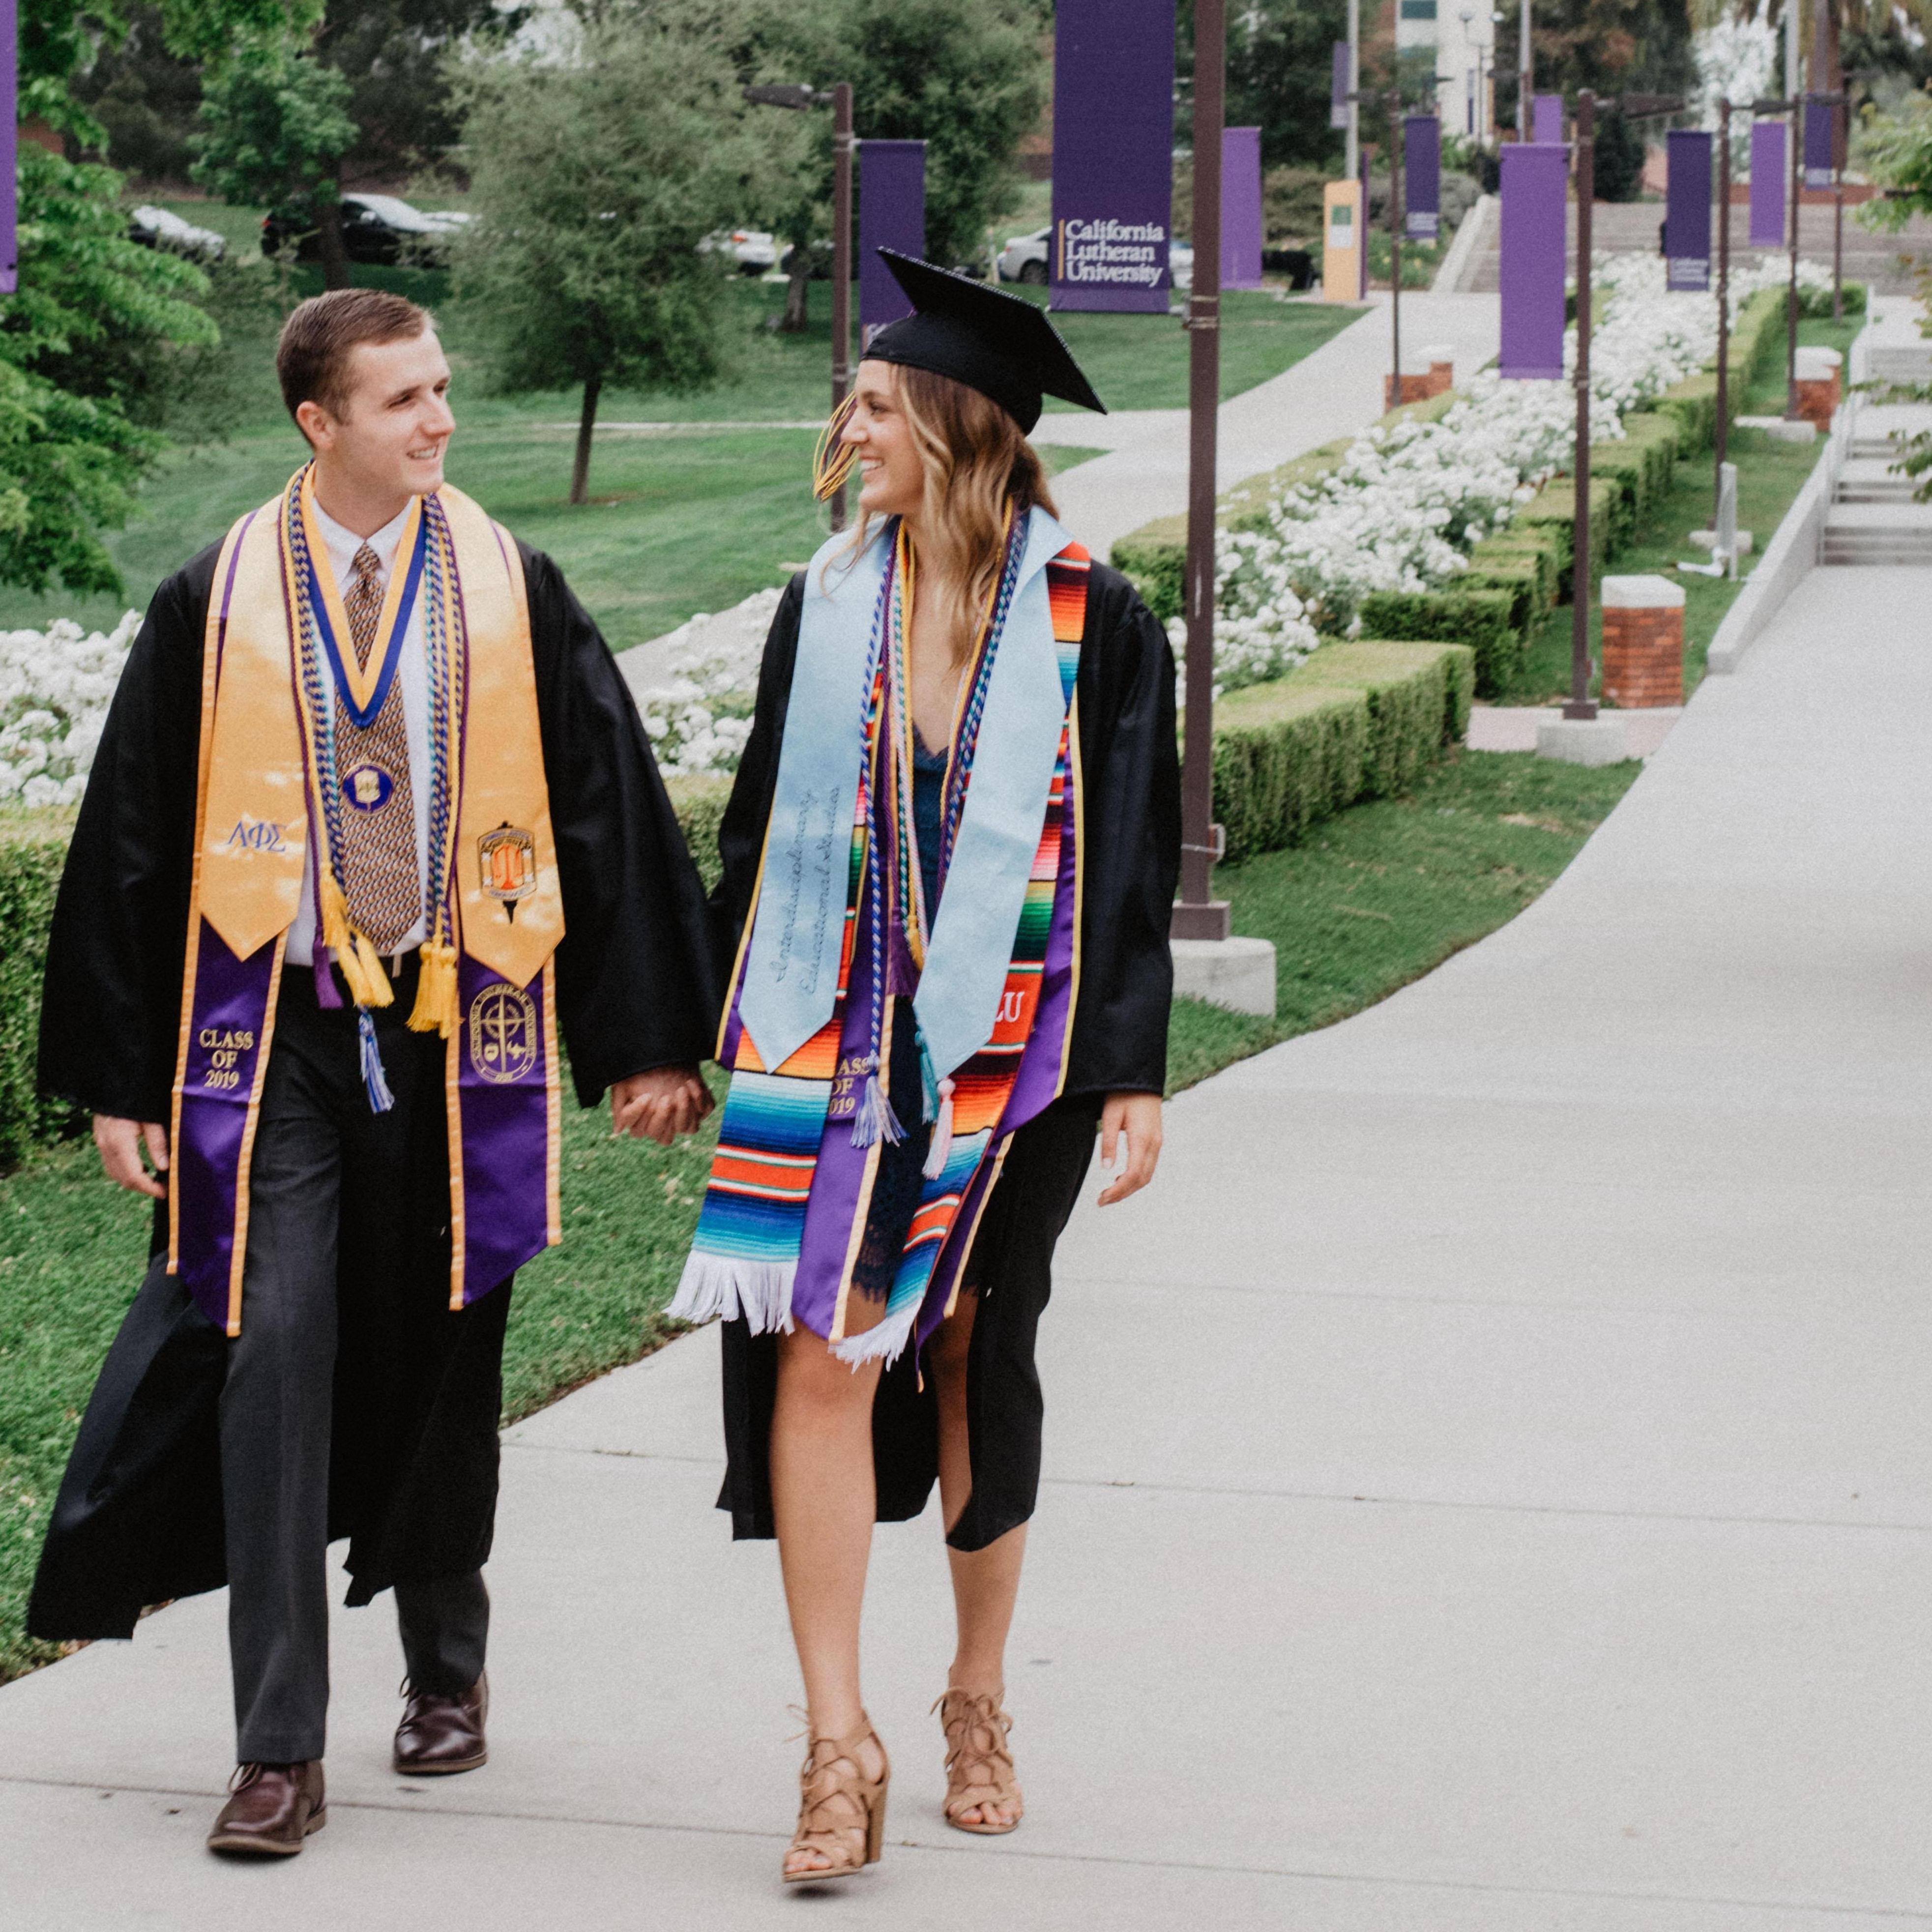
(267,794)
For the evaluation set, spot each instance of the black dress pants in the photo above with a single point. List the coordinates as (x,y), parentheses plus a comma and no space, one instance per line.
(331,1189)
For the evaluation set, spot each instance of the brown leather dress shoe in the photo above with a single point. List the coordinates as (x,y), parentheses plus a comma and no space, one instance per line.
(438,1736)
(273,1808)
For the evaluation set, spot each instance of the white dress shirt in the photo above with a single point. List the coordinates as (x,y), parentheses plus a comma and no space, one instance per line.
(412,674)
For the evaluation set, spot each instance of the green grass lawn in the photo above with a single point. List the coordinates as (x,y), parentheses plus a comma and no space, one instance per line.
(1380,894)
(1770,475)
(688,521)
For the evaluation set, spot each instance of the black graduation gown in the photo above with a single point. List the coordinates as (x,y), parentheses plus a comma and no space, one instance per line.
(138,1519)
(1131,814)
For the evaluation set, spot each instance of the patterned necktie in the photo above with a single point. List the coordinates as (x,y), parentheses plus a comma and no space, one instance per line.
(380,870)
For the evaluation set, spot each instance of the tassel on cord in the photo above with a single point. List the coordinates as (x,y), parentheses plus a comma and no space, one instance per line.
(380,992)
(364,990)
(375,1082)
(435,1009)
(940,1150)
(875,1121)
(929,1082)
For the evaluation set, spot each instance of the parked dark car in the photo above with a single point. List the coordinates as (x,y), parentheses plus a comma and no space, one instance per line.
(381,229)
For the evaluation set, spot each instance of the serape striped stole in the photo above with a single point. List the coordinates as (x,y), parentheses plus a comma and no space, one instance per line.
(785,1207)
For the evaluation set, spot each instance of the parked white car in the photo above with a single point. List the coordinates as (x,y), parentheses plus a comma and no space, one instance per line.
(754,250)
(1024,259)
(158,228)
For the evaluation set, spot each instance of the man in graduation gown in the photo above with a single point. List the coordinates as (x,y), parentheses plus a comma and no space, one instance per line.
(373,821)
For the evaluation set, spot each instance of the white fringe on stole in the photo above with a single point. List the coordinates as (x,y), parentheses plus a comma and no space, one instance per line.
(713,1285)
(885,1343)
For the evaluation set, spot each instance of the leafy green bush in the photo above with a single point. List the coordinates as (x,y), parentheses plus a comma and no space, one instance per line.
(33,848)
(1490,622)
(1521,543)
(1357,720)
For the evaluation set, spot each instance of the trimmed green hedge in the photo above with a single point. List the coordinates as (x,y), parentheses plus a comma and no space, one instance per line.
(33,848)
(1492,623)
(1356,721)
(1518,544)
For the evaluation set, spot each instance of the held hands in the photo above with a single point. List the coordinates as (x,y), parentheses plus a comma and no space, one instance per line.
(120,1142)
(1133,1119)
(660,1105)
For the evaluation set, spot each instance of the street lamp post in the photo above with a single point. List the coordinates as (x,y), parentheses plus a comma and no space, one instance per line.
(1581,704)
(1197,913)
(1723,422)
(794,95)
(1398,159)
(1525,77)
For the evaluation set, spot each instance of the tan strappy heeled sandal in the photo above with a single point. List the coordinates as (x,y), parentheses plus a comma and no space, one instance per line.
(979,1766)
(842,1812)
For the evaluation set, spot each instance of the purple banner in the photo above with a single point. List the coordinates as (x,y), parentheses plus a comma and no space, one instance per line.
(1767,184)
(1687,210)
(892,214)
(1547,125)
(9,96)
(1422,176)
(1338,86)
(1819,116)
(1113,154)
(1241,208)
(1534,246)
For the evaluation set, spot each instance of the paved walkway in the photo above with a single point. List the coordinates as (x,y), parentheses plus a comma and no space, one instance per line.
(1488,1479)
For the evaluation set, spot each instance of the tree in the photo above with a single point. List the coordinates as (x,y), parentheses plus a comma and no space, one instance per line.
(594,179)
(967,77)
(83,346)
(1279,74)
(274,125)
(1612,47)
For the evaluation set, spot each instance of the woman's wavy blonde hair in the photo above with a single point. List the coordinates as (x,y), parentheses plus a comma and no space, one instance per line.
(976,462)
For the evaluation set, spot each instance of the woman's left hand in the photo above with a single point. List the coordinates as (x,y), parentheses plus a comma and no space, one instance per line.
(1136,1117)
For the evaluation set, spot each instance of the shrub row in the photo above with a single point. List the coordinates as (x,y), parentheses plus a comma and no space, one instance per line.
(1355,722)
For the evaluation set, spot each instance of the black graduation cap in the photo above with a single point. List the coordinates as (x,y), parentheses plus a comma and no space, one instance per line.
(992,341)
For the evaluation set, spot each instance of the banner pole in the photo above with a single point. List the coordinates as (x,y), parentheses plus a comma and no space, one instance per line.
(841,262)
(1791,292)
(1581,704)
(1723,298)
(1398,147)
(1525,77)
(1198,914)
(1351,150)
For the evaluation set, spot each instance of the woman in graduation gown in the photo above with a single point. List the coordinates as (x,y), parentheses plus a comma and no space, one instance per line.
(950,858)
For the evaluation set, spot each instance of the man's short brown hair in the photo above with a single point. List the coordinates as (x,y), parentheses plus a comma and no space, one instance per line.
(312,356)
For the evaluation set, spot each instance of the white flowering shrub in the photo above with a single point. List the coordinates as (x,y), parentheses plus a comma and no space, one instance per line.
(1409,500)
(698,720)
(55,686)
(1738,61)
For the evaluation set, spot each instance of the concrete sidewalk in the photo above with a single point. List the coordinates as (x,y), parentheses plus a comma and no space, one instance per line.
(1488,1484)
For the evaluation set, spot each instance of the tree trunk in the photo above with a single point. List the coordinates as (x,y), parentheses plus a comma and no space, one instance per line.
(579,470)
(798,288)
(328,237)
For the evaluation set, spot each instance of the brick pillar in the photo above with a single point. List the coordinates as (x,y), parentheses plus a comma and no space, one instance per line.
(1441,361)
(1643,641)
(1820,384)
(1414,389)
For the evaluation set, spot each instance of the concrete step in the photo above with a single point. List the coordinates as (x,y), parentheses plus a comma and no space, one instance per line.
(1842,548)
(1872,479)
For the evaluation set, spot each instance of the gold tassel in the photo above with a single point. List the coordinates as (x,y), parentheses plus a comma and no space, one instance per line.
(379,991)
(335,919)
(435,1010)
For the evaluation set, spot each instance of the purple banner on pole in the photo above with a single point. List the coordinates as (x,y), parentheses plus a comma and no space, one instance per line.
(1338,86)
(10,97)
(1818,144)
(1534,246)
(1113,154)
(892,214)
(1767,184)
(1546,122)
(1241,208)
(1687,210)
(1422,177)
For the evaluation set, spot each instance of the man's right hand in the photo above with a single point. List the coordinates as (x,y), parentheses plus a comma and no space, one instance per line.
(121,1142)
